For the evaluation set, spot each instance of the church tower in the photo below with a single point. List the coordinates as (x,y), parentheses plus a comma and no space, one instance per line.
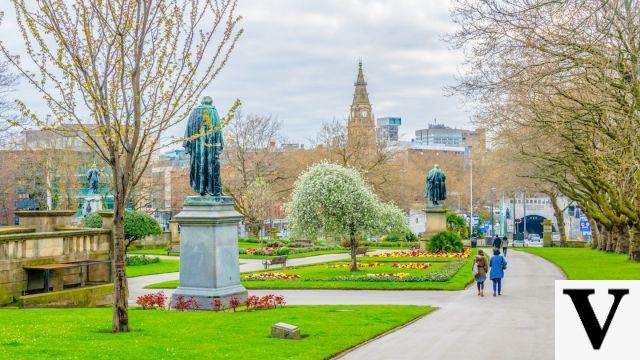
(361,127)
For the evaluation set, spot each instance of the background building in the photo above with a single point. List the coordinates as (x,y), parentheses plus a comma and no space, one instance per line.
(442,135)
(388,128)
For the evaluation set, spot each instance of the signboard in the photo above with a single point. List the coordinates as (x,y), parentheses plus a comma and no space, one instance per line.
(585,227)
(476,220)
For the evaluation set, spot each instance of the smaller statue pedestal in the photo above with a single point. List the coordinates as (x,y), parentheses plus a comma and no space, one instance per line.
(209,261)
(92,203)
(436,222)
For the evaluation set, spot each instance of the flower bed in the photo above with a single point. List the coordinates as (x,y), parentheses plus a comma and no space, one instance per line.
(420,253)
(411,265)
(443,274)
(360,265)
(388,276)
(270,276)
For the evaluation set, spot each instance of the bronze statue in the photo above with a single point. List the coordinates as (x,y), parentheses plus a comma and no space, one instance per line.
(204,143)
(436,189)
(92,176)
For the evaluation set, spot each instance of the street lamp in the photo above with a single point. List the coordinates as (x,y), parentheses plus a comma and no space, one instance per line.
(493,192)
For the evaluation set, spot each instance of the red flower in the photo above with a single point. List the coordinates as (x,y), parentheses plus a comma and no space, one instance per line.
(152,300)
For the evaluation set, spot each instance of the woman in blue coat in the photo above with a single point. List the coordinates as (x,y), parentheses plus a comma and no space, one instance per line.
(498,264)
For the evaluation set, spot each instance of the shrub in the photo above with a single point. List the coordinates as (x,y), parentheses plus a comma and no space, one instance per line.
(445,241)
(152,300)
(92,220)
(273,233)
(411,237)
(269,301)
(216,304)
(234,303)
(283,251)
(186,305)
(276,244)
(391,238)
(137,225)
(138,260)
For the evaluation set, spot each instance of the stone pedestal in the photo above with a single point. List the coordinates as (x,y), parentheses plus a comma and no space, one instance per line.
(92,203)
(547,229)
(209,262)
(436,222)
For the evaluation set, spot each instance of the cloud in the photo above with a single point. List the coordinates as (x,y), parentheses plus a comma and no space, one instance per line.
(298,60)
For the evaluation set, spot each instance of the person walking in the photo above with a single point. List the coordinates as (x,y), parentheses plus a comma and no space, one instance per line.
(480,268)
(497,242)
(505,245)
(498,265)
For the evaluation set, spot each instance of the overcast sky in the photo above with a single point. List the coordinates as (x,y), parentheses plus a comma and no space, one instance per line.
(297,61)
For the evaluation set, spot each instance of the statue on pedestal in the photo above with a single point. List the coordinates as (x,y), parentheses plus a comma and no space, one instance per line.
(436,189)
(204,143)
(92,176)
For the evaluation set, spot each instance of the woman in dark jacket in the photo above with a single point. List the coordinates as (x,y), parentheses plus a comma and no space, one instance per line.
(480,267)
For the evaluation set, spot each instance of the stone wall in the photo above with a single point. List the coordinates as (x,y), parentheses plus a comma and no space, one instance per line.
(160,241)
(90,296)
(20,250)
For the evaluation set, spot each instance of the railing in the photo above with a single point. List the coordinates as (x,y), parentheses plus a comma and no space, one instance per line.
(53,244)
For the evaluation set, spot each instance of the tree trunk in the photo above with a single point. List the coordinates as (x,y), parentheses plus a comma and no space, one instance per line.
(559,214)
(120,286)
(634,243)
(622,246)
(604,239)
(613,240)
(595,234)
(354,245)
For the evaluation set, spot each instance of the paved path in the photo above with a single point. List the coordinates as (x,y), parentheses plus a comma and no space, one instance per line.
(465,326)
(516,325)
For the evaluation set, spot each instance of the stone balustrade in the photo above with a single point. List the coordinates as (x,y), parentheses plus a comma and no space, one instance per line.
(29,249)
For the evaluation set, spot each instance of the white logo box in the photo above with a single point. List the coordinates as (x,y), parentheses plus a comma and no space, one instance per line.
(623,336)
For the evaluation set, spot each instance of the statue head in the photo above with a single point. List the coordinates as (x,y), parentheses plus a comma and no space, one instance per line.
(207,100)
(436,166)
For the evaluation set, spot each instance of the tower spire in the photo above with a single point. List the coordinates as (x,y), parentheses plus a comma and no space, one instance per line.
(361,123)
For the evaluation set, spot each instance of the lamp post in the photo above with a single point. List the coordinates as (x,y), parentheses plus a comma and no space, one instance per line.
(493,192)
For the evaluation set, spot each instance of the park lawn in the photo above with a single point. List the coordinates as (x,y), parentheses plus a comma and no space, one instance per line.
(588,264)
(164,266)
(321,270)
(326,330)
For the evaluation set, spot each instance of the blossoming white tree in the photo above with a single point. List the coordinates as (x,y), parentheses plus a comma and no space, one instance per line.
(329,199)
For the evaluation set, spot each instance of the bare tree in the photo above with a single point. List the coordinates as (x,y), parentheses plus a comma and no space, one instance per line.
(252,162)
(566,73)
(134,68)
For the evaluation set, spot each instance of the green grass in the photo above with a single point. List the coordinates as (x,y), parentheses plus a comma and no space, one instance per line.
(318,271)
(588,264)
(84,333)
(164,266)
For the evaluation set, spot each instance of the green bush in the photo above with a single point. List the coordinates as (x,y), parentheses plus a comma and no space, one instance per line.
(139,260)
(93,220)
(410,237)
(391,238)
(137,225)
(445,241)
(283,251)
